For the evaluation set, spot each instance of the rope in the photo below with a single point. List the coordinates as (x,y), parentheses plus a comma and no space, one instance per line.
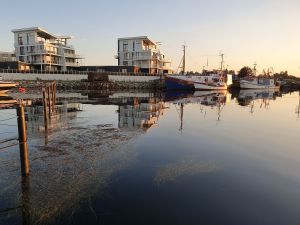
(9,209)
(11,114)
(3,124)
(8,119)
(8,146)
(8,140)
(7,132)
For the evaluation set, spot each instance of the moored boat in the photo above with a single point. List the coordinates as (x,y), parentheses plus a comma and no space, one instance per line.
(208,80)
(258,83)
(261,82)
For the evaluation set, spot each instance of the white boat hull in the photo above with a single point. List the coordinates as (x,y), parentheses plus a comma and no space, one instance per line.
(195,82)
(244,84)
(199,86)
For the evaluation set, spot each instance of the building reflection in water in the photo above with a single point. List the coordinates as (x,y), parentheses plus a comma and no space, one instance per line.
(142,114)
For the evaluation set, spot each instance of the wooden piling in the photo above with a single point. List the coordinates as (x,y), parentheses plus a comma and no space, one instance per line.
(23,140)
(45,109)
(49,102)
(53,85)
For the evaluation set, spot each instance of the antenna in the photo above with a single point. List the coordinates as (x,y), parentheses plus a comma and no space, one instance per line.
(222,59)
(255,70)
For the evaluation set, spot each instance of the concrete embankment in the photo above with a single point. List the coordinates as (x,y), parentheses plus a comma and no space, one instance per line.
(97,85)
(92,81)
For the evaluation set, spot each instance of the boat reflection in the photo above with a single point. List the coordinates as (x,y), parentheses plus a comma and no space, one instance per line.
(207,98)
(246,97)
(298,107)
(203,98)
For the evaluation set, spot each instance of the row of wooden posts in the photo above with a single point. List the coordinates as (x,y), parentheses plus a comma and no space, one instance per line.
(49,103)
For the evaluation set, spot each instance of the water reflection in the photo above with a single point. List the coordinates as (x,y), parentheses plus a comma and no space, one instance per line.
(82,156)
(246,97)
(184,168)
(298,107)
(212,99)
(6,101)
(141,114)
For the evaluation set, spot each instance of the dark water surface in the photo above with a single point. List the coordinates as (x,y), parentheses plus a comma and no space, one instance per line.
(148,158)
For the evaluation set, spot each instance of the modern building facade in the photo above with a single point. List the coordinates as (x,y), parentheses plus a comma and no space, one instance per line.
(45,51)
(7,57)
(143,53)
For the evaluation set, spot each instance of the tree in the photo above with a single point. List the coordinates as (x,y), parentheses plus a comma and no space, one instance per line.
(245,72)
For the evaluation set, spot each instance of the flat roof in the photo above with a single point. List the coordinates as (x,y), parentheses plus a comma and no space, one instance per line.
(138,37)
(42,33)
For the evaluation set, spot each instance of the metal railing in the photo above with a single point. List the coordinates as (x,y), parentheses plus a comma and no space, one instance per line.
(43,71)
(77,72)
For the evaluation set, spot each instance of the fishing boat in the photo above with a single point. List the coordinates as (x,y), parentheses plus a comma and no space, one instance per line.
(261,82)
(5,85)
(208,80)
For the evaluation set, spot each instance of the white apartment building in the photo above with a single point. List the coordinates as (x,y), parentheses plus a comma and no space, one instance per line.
(143,53)
(45,51)
(7,57)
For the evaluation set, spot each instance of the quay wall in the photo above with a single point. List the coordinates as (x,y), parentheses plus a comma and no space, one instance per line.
(124,78)
(78,77)
(35,76)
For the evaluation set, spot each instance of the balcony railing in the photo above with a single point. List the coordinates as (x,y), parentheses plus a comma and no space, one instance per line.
(75,56)
(73,64)
(42,71)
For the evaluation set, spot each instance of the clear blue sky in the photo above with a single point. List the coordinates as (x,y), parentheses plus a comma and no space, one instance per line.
(262,31)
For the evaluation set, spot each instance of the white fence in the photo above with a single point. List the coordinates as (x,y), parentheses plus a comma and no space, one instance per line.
(33,76)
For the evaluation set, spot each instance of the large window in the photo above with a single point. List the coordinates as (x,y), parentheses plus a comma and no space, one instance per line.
(22,51)
(125,46)
(20,40)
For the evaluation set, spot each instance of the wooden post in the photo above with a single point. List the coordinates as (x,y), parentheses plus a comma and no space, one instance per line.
(25,187)
(45,109)
(52,96)
(49,102)
(23,140)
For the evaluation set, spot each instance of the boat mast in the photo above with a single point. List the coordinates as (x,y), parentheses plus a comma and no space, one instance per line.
(222,60)
(255,64)
(183,60)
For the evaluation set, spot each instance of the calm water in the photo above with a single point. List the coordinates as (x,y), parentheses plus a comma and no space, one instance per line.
(150,158)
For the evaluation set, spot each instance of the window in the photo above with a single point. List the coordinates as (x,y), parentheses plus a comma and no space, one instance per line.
(126,56)
(125,46)
(133,46)
(28,38)
(20,40)
(21,50)
(125,63)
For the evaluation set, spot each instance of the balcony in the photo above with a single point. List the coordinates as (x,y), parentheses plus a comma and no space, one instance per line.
(38,62)
(69,64)
(74,56)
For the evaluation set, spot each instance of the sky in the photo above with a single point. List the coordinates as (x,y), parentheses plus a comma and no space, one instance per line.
(262,31)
